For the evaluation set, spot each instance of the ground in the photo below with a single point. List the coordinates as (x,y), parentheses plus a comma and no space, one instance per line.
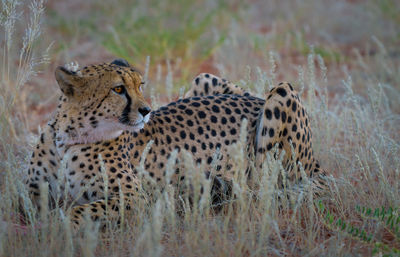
(343,56)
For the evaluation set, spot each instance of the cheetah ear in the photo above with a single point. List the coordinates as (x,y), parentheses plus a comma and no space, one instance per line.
(68,81)
(121,62)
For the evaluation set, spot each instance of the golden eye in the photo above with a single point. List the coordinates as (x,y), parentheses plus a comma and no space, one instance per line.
(119,89)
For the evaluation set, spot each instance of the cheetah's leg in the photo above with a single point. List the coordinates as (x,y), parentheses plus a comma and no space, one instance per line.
(209,84)
(285,123)
(44,167)
(101,211)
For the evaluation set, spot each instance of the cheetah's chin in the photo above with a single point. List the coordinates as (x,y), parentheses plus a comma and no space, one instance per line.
(138,125)
(134,127)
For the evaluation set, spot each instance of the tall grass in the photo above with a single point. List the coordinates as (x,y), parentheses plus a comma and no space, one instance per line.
(20,61)
(355,121)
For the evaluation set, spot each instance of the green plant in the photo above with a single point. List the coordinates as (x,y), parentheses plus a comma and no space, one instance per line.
(389,218)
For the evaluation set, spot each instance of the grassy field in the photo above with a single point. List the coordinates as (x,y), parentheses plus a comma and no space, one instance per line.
(344,58)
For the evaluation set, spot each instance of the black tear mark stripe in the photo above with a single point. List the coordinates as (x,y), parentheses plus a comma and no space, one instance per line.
(124,117)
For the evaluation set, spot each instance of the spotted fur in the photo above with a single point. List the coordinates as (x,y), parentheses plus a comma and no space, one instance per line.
(208,84)
(93,122)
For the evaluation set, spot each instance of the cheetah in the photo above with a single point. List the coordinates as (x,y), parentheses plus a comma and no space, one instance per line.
(104,123)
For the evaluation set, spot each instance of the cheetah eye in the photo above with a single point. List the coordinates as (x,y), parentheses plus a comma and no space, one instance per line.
(119,90)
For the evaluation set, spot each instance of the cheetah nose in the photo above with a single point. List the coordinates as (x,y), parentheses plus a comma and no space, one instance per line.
(144,110)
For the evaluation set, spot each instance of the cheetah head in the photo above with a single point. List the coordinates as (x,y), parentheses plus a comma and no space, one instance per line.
(98,103)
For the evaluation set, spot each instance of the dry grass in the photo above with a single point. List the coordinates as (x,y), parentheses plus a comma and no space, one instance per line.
(342,55)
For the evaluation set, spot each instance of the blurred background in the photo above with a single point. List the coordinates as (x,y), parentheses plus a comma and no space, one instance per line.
(234,39)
